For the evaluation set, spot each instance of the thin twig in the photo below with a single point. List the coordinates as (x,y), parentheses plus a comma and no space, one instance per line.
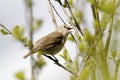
(96,16)
(60,65)
(74,38)
(31,39)
(57,13)
(59,1)
(76,24)
(93,46)
(52,14)
(117,64)
(65,12)
(9,32)
(109,37)
(110,31)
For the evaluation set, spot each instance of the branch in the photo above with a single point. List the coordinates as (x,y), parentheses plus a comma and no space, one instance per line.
(107,45)
(96,16)
(9,32)
(60,65)
(52,14)
(117,64)
(57,13)
(76,24)
(30,24)
(65,12)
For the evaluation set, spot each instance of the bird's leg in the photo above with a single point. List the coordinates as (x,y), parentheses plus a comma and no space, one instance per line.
(48,56)
(56,60)
(52,58)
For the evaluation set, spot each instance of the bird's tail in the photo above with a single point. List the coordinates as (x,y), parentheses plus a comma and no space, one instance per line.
(28,54)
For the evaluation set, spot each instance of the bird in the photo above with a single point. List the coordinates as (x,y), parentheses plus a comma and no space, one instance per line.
(52,43)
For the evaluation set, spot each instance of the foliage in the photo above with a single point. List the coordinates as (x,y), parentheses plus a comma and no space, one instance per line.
(3,32)
(20,75)
(96,49)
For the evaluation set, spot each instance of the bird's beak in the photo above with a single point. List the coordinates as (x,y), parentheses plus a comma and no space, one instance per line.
(69,28)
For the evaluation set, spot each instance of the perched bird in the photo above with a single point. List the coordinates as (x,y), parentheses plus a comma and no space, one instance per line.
(51,43)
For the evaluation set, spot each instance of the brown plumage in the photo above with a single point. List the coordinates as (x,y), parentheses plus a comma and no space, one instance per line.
(51,43)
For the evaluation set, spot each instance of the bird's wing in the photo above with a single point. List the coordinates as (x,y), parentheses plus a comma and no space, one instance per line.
(52,40)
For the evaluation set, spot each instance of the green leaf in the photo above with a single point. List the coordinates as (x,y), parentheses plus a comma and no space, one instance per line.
(111,58)
(84,74)
(113,53)
(107,6)
(72,77)
(100,47)
(105,20)
(37,24)
(39,54)
(65,55)
(96,24)
(20,75)
(4,32)
(78,14)
(117,26)
(39,63)
(88,37)
(81,47)
(70,38)
(26,42)
(30,44)
(70,2)
(91,1)
(117,57)
(28,3)
(18,32)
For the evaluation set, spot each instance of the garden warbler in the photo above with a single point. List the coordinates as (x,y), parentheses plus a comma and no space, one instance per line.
(51,43)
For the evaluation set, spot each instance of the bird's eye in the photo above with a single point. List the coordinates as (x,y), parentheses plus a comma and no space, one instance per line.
(64,26)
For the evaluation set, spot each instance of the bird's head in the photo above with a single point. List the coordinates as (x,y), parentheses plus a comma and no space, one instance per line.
(64,29)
